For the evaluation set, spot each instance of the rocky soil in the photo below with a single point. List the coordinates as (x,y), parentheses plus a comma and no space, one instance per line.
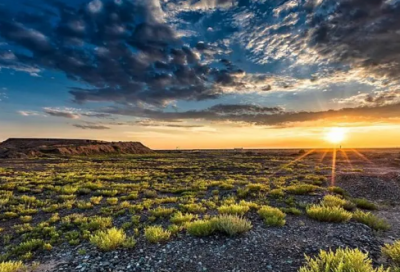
(261,249)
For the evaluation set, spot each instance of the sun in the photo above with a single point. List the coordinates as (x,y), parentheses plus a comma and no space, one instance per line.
(335,135)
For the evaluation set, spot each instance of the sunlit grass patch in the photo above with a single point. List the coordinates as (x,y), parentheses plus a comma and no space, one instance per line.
(392,251)
(200,227)
(301,189)
(11,266)
(365,204)
(328,214)
(109,239)
(231,224)
(341,260)
(371,220)
(240,209)
(333,201)
(272,216)
(156,234)
(162,212)
(180,218)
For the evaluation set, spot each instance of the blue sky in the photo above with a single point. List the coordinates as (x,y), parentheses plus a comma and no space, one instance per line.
(110,68)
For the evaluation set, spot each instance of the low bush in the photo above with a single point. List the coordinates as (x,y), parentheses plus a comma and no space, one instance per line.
(231,224)
(272,216)
(180,218)
(162,212)
(234,209)
(328,214)
(291,210)
(11,266)
(342,260)
(200,228)
(363,203)
(333,201)
(156,234)
(109,239)
(392,252)
(112,201)
(371,220)
(302,189)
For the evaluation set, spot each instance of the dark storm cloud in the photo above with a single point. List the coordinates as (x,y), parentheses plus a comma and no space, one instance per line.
(263,116)
(122,49)
(361,33)
(95,127)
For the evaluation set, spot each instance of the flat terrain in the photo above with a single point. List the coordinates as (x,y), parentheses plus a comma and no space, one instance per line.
(50,208)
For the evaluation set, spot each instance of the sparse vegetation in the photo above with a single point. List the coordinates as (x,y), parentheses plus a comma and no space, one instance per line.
(201,227)
(272,216)
(341,260)
(156,234)
(328,214)
(363,203)
(371,220)
(11,266)
(109,239)
(110,203)
(231,224)
(392,251)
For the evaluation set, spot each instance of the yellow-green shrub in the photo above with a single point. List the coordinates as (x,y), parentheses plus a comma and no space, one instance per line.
(109,239)
(342,260)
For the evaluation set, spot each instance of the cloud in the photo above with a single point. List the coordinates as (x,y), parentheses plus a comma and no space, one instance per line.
(264,116)
(123,50)
(28,113)
(88,126)
(65,113)
(378,98)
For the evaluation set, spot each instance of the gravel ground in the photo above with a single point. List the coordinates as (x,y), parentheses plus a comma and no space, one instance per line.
(261,249)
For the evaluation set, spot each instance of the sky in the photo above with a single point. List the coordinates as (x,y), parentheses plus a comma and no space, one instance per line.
(202,73)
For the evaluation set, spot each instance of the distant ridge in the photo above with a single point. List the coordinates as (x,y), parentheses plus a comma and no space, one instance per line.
(38,147)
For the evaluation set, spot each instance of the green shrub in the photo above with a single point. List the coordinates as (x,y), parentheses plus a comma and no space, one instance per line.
(234,209)
(363,203)
(342,260)
(68,190)
(26,218)
(180,218)
(302,189)
(84,205)
(392,252)
(338,190)
(96,200)
(11,266)
(272,216)
(333,201)
(107,192)
(109,239)
(193,208)
(28,246)
(276,193)
(97,223)
(162,212)
(291,210)
(231,224)
(112,201)
(200,228)
(328,214)
(371,220)
(150,193)
(156,234)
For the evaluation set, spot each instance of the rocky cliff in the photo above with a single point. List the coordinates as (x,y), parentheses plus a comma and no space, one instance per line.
(21,148)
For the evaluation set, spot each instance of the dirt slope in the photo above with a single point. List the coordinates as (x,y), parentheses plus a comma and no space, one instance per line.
(22,148)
